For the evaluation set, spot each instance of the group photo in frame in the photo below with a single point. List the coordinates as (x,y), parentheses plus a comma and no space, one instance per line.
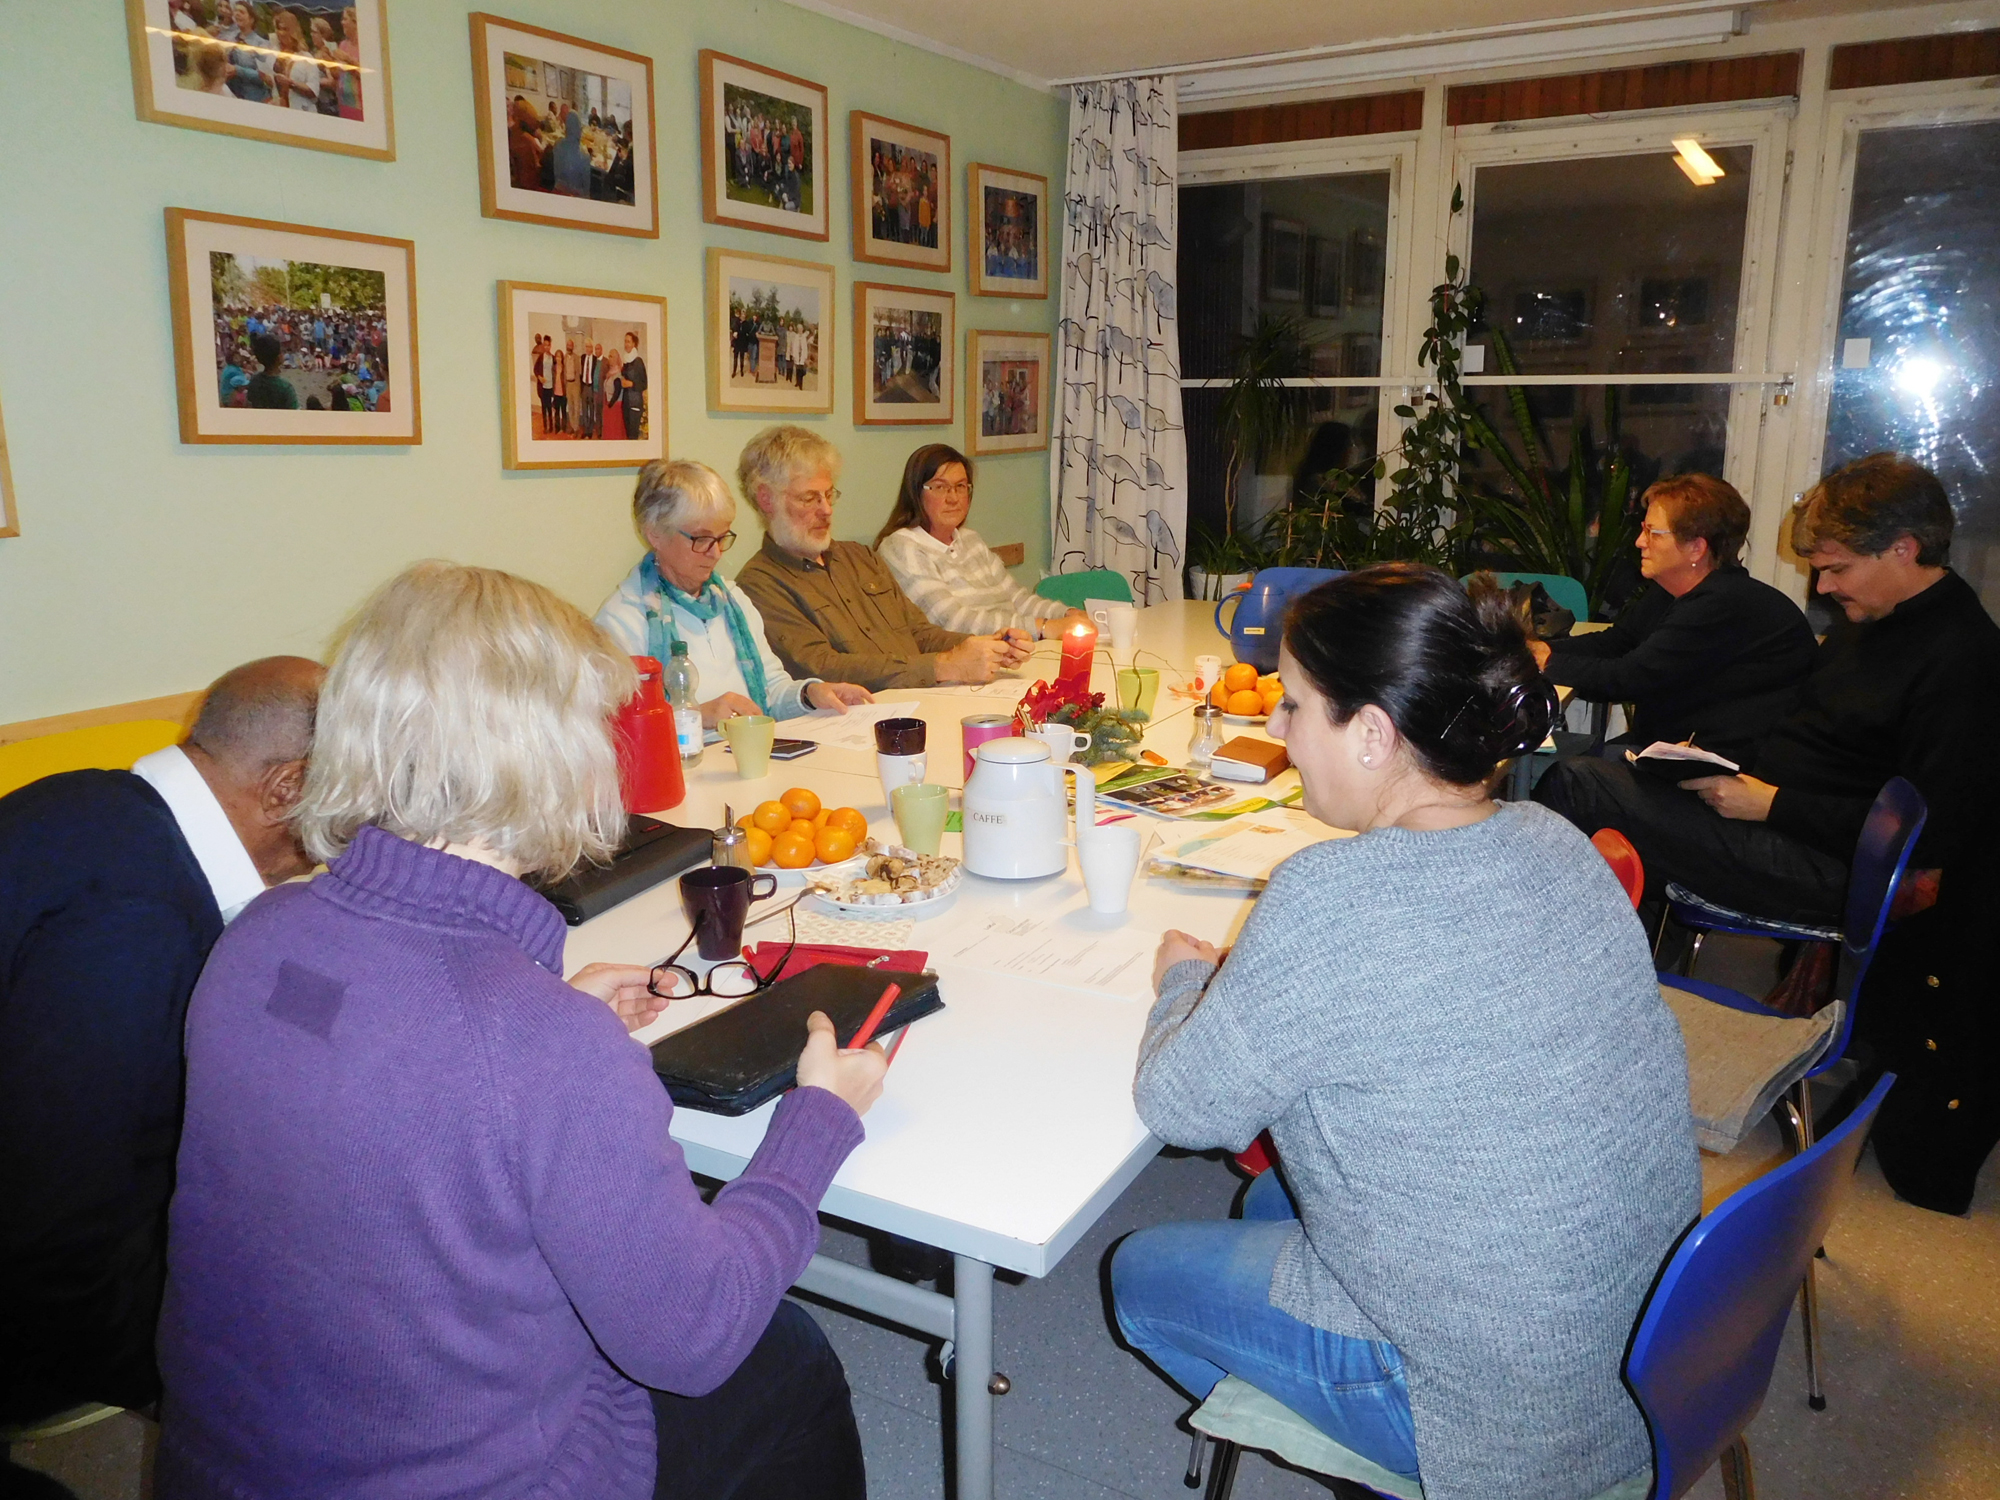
(583,377)
(770,333)
(904,372)
(1008,218)
(313,74)
(763,148)
(285,333)
(902,193)
(565,130)
(1006,391)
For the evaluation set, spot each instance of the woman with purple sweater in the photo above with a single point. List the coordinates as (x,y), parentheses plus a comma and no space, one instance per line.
(430,1235)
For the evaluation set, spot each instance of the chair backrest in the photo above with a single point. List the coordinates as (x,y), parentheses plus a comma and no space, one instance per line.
(1881,855)
(1707,1339)
(102,747)
(1563,590)
(1073,588)
(1623,859)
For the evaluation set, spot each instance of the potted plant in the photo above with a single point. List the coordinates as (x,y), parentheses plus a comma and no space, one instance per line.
(1219,562)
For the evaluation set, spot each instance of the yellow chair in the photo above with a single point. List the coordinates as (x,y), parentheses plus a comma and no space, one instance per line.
(102,747)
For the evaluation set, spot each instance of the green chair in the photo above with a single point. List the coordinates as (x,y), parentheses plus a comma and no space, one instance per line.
(1073,588)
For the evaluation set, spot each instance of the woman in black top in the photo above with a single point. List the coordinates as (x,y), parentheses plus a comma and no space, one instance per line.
(1705,651)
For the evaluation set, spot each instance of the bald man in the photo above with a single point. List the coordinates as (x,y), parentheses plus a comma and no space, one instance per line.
(113,887)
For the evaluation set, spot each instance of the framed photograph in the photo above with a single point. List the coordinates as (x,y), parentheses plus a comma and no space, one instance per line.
(902,193)
(288,334)
(302,75)
(1284,259)
(583,377)
(1367,267)
(1326,263)
(1006,391)
(565,130)
(1009,235)
(770,333)
(10,517)
(763,148)
(1361,356)
(904,374)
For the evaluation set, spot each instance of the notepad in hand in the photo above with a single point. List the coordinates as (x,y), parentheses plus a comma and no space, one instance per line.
(1680,763)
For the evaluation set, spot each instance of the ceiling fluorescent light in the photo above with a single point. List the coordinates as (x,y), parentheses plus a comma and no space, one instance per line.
(1701,168)
(1448,53)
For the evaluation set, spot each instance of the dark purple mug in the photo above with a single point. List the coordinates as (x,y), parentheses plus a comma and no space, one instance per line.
(717,902)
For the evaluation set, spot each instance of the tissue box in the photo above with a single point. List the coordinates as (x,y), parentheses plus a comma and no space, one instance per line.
(1245,759)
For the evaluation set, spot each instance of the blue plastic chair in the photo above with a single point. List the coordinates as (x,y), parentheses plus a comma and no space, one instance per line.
(1701,1357)
(1564,591)
(1881,855)
(1073,588)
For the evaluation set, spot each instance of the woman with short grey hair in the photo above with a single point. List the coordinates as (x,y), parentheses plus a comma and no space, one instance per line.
(683,511)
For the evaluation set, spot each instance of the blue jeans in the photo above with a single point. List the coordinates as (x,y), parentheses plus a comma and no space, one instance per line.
(1195,1299)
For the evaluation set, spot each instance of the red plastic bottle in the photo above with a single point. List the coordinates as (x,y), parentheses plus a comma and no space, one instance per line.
(649,757)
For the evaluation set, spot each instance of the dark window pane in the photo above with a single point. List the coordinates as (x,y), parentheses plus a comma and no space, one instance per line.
(1922,289)
(1611,265)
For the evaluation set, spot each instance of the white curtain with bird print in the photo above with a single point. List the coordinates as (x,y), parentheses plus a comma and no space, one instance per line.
(1118,464)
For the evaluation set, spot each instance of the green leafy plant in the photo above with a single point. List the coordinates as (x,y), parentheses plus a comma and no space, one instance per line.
(1259,413)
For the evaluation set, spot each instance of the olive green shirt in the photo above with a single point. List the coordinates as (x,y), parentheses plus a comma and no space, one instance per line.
(843,618)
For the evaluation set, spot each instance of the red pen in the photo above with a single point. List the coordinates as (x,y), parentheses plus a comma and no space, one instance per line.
(867,1031)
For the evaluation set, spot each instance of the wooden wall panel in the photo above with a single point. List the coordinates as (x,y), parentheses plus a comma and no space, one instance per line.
(1916,59)
(1312,120)
(1770,75)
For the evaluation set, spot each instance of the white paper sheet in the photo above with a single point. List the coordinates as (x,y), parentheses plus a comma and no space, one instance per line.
(853,730)
(1252,846)
(1065,949)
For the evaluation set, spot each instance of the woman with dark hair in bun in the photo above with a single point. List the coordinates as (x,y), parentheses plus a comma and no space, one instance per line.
(1451,1028)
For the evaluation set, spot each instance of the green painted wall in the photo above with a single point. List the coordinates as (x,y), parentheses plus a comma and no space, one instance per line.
(148,567)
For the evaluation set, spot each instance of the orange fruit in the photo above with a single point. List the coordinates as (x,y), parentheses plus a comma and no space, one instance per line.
(833,845)
(1249,701)
(759,844)
(771,817)
(799,801)
(850,820)
(1239,677)
(1220,697)
(1271,684)
(792,851)
(820,817)
(1272,699)
(803,826)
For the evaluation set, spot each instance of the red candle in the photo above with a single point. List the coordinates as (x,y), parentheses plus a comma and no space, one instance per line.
(1079,646)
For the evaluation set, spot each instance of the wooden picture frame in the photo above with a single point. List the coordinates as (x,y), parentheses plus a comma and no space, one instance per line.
(10,515)
(1285,266)
(609,184)
(1006,391)
(1007,239)
(211,78)
(339,312)
(576,428)
(750,190)
(757,367)
(902,203)
(904,371)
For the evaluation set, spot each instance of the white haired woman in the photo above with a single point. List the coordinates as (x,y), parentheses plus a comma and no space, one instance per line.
(684,512)
(430,1234)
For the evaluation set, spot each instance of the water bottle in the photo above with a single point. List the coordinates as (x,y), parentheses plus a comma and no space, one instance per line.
(682,680)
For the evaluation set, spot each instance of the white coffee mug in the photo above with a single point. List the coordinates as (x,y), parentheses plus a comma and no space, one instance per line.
(899,770)
(1063,741)
(1121,622)
(1110,860)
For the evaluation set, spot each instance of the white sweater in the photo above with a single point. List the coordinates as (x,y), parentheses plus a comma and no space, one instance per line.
(962,586)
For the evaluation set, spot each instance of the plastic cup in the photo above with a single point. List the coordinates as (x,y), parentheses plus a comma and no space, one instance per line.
(1138,687)
(750,737)
(1110,859)
(920,810)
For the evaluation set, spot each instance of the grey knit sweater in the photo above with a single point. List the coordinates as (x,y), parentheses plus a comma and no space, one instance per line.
(1481,1107)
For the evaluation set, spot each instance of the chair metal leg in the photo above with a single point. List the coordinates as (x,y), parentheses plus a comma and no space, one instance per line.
(1694,955)
(1192,1479)
(1798,1109)
(1737,1483)
(1222,1470)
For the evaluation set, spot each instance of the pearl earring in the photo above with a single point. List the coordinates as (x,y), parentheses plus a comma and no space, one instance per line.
(1368,761)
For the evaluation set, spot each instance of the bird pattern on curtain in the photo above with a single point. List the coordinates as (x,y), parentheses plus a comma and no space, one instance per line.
(1118,464)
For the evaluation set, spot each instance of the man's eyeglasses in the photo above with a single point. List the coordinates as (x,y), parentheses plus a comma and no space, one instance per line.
(956,489)
(812,497)
(701,542)
(731,979)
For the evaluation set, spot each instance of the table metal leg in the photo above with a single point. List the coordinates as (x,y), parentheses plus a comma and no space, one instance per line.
(973,1363)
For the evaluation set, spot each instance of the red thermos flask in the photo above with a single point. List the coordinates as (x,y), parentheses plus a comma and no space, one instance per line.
(649,757)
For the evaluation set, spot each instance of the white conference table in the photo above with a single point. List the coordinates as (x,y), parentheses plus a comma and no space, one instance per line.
(1006,1127)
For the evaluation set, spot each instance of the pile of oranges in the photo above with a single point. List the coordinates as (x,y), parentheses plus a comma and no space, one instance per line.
(795,830)
(1242,691)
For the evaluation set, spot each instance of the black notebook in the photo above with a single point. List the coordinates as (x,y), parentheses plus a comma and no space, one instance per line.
(652,852)
(732,1062)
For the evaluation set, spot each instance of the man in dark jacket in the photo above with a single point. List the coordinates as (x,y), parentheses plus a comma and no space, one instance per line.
(113,887)
(1705,652)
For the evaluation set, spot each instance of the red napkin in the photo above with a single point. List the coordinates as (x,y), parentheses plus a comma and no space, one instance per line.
(805,955)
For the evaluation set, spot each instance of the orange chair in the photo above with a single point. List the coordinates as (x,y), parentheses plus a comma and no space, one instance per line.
(1623,859)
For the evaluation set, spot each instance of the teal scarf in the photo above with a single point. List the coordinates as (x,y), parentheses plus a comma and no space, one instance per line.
(713,599)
